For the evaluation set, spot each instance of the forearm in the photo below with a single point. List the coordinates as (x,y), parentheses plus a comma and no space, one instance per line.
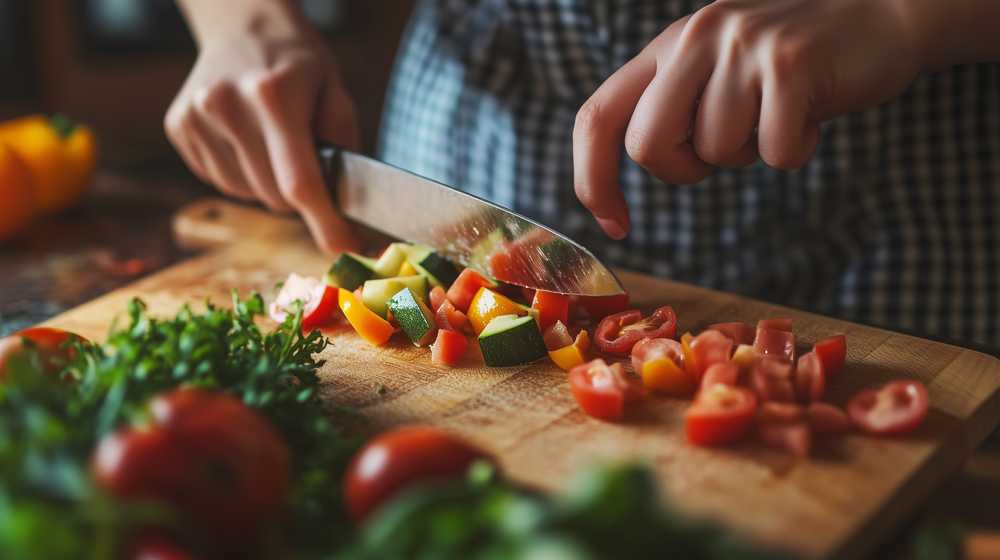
(954,31)
(215,20)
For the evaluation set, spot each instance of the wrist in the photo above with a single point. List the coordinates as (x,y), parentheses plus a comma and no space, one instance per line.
(227,22)
(944,34)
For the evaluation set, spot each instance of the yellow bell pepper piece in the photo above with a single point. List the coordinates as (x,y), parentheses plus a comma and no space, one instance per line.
(60,155)
(17,200)
(406,269)
(487,304)
(568,357)
(370,326)
(744,358)
(690,364)
(664,376)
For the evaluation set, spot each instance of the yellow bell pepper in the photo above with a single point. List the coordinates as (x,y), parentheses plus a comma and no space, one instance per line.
(370,326)
(406,269)
(744,358)
(690,363)
(17,201)
(60,155)
(663,375)
(568,357)
(487,304)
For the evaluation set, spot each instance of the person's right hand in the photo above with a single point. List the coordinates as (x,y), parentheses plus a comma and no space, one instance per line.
(247,117)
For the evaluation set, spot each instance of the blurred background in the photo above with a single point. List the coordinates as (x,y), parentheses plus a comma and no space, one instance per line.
(114,66)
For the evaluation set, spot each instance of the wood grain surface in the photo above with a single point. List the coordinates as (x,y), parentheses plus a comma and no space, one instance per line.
(838,504)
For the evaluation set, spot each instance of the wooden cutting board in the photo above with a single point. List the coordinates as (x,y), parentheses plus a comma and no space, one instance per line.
(838,504)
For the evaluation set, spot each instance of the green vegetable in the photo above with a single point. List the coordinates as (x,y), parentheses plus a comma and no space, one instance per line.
(388,264)
(413,317)
(350,271)
(376,293)
(509,340)
(438,270)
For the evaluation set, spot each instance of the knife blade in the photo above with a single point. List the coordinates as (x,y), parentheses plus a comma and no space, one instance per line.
(462,227)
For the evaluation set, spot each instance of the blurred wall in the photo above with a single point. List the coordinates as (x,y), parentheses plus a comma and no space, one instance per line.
(122,86)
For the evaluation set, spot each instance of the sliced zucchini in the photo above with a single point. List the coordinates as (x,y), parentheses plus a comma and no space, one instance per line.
(413,317)
(388,264)
(439,270)
(376,293)
(509,340)
(350,271)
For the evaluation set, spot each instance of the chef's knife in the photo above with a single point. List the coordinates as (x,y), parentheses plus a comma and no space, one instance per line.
(462,227)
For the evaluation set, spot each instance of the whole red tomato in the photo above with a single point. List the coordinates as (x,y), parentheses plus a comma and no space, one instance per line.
(400,459)
(52,345)
(218,463)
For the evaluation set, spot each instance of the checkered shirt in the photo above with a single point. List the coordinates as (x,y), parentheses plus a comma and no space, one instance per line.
(891,223)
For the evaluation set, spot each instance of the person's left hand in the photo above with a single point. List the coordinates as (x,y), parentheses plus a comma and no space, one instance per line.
(738,80)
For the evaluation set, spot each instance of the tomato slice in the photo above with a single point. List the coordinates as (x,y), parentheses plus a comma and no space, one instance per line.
(775,342)
(464,288)
(738,332)
(603,391)
(810,379)
(660,362)
(725,373)
(557,336)
(401,459)
(778,324)
(824,418)
(832,352)
(709,348)
(899,407)
(319,301)
(448,347)
(794,438)
(437,297)
(450,319)
(599,307)
(771,379)
(551,308)
(617,334)
(720,415)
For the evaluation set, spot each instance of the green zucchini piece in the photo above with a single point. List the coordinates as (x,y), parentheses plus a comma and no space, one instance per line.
(439,270)
(376,293)
(388,264)
(350,271)
(413,317)
(509,340)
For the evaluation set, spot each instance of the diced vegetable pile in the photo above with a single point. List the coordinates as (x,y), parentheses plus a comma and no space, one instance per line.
(742,380)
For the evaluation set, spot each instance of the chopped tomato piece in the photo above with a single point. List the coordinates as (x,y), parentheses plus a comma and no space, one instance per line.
(774,412)
(557,336)
(617,334)
(450,319)
(725,373)
(464,288)
(771,379)
(709,348)
(568,357)
(603,391)
(832,352)
(660,362)
(318,300)
(810,379)
(437,297)
(738,332)
(720,415)
(778,324)
(366,322)
(899,407)
(551,308)
(794,437)
(487,304)
(599,307)
(774,342)
(449,347)
(824,418)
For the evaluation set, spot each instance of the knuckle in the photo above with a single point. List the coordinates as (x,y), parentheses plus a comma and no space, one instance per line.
(640,146)
(706,22)
(788,56)
(215,100)
(781,156)
(298,193)
(588,119)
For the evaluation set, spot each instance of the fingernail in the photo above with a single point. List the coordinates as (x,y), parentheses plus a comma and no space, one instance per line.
(612,228)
